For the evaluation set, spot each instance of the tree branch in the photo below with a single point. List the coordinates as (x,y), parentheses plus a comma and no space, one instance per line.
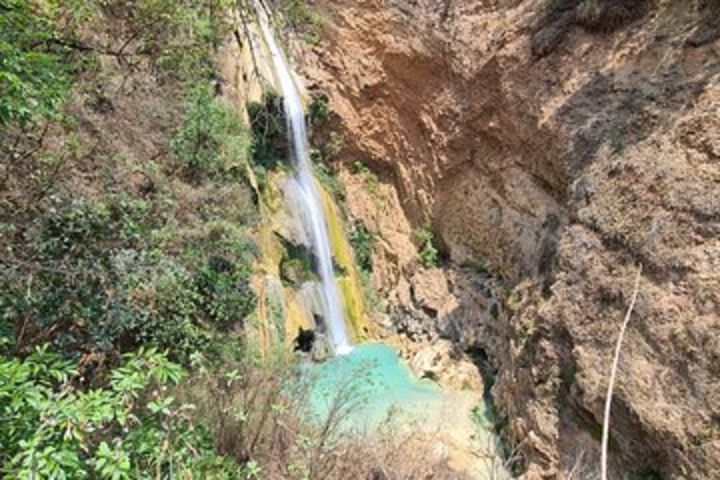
(611,384)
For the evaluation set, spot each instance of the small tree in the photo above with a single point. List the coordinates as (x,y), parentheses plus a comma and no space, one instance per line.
(34,80)
(211,141)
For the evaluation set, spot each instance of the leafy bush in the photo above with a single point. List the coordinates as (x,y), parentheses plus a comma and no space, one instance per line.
(178,37)
(269,132)
(185,33)
(211,141)
(225,293)
(297,264)
(302,18)
(327,178)
(371,180)
(319,108)
(53,429)
(429,255)
(363,242)
(36,67)
(34,78)
(92,278)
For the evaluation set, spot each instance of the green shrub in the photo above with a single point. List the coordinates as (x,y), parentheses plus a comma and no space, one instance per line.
(38,59)
(269,132)
(53,429)
(183,35)
(177,37)
(303,18)
(371,180)
(297,264)
(211,143)
(225,293)
(92,278)
(34,75)
(319,108)
(327,178)
(429,255)
(363,242)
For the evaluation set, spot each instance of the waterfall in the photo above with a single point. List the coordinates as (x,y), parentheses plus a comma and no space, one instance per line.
(309,195)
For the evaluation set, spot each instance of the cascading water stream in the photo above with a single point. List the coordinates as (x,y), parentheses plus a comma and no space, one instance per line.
(311,203)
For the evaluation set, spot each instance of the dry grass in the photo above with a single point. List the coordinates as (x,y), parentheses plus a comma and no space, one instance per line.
(259,413)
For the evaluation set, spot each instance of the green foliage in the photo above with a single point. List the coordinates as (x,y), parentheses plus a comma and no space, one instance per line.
(53,429)
(269,132)
(38,60)
(34,78)
(211,141)
(188,31)
(319,108)
(302,18)
(110,271)
(363,242)
(179,37)
(224,289)
(297,264)
(97,276)
(371,180)
(429,255)
(327,178)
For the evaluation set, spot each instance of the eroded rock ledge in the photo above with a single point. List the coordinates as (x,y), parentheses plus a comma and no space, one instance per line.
(559,153)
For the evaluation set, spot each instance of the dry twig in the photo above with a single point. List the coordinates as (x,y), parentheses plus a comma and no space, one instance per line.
(611,384)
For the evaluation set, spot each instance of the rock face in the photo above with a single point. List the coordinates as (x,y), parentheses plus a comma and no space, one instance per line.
(559,145)
(439,362)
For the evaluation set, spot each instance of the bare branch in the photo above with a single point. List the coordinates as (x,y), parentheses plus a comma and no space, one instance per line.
(611,384)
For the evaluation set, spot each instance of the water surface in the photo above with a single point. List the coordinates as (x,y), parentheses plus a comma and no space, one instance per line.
(377,385)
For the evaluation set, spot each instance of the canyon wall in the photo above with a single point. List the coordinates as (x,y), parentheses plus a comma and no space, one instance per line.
(559,145)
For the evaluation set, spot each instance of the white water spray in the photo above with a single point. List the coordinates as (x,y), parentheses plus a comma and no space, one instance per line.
(295,117)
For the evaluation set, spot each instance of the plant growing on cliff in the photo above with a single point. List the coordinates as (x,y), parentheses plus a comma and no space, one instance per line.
(41,46)
(363,242)
(302,18)
(297,264)
(319,108)
(429,255)
(211,141)
(93,275)
(269,132)
(370,180)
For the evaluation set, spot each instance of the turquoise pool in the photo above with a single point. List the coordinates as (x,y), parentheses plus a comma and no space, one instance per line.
(373,385)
